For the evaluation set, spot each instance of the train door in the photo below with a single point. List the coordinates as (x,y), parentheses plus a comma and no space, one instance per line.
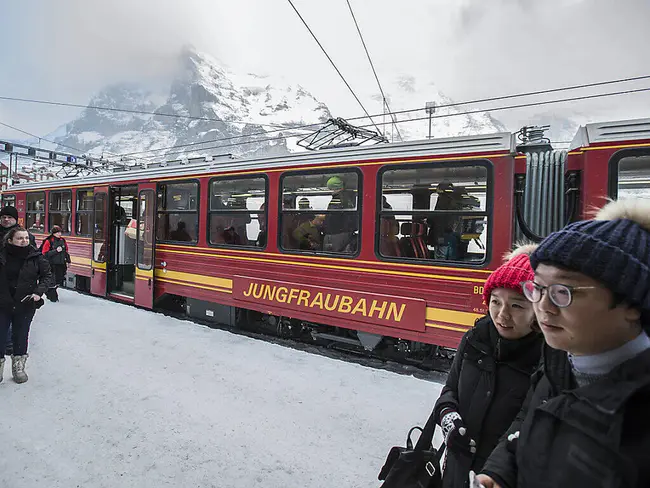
(123,237)
(144,271)
(100,242)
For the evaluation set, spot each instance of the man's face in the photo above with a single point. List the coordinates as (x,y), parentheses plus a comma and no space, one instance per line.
(589,325)
(7,221)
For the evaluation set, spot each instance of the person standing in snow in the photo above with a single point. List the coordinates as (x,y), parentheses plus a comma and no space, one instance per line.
(55,250)
(586,420)
(490,375)
(9,220)
(24,276)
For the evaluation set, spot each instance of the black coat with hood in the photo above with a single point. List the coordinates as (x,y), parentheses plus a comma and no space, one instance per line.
(35,277)
(486,385)
(596,435)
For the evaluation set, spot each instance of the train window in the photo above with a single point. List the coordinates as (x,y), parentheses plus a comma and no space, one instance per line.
(84,213)
(60,212)
(320,212)
(434,213)
(35,215)
(237,212)
(178,212)
(633,176)
(8,200)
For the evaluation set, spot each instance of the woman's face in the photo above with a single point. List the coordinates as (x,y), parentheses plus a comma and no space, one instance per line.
(57,235)
(20,239)
(512,314)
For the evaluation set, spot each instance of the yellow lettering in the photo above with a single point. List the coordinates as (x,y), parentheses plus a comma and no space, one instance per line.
(248,292)
(392,308)
(478,290)
(293,293)
(269,293)
(304,295)
(281,291)
(344,306)
(259,291)
(332,307)
(360,307)
(374,308)
(318,301)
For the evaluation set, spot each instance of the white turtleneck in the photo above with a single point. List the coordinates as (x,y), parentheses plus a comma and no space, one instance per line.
(588,369)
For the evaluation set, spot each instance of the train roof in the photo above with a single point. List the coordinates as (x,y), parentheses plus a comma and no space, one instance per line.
(476,144)
(588,135)
(602,132)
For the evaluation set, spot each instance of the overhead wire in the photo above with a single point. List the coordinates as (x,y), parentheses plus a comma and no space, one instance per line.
(374,72)
(522,105)
(455,114)
(307,126)
(40,138)
(279,127)
(332,62)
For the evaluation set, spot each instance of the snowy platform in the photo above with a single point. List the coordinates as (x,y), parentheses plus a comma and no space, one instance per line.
(120,397)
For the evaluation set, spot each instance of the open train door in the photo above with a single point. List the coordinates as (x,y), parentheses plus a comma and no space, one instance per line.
(100,242)
(144,271)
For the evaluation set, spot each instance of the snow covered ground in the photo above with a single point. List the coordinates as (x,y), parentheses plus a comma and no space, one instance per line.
(120,397)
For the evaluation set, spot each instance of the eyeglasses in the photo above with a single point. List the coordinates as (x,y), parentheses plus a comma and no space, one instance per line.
(560,295)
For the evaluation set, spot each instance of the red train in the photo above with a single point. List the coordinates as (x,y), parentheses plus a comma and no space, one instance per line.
(384,248)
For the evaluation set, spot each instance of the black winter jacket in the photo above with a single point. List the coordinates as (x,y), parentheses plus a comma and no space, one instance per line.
(486,385)
(593,436)
(49,249)
(34,277)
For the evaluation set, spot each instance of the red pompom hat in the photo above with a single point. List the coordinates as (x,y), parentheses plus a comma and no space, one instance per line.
(511,274)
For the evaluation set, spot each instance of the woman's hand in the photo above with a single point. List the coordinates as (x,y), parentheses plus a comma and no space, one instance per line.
(486,481)
(36,297)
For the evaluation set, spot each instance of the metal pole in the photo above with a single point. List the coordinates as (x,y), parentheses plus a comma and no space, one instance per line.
(429,125)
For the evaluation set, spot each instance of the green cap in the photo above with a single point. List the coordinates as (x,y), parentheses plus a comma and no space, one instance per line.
(335,183)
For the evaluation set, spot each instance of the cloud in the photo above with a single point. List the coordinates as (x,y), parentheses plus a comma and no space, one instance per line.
(469,48)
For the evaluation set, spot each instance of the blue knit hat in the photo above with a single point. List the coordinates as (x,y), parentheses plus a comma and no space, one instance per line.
(614,249)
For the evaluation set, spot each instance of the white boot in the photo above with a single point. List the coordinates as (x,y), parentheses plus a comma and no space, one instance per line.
(18,368)
(2,368)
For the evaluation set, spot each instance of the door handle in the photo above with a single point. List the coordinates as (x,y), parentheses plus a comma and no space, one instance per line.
(149,282)
(92,272)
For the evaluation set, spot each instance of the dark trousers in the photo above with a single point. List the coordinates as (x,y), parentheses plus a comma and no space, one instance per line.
(20,322)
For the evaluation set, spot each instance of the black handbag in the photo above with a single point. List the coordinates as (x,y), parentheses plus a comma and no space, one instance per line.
(417,467)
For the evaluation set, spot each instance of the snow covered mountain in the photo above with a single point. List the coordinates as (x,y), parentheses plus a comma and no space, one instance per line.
(223,105)
(406,93)
(240,108)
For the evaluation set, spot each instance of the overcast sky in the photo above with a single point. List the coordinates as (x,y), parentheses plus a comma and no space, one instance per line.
(66,50)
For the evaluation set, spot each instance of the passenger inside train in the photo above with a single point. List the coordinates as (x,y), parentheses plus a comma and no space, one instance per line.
(434,220)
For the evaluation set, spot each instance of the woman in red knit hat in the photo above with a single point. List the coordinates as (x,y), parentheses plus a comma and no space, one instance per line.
(490,375)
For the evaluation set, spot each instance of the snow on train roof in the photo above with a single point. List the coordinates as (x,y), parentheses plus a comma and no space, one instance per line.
(502,141)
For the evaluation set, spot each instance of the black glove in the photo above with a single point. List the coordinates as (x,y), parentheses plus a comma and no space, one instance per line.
(458,440)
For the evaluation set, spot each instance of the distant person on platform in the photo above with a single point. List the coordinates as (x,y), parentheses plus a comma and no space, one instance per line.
(55,250)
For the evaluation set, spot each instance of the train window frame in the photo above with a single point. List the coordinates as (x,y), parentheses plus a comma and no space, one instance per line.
(31,212)
(488,213)
(210,212)
(8,196)
(613,171)
(195,242)
(89,213)
(59,212)
(334,171)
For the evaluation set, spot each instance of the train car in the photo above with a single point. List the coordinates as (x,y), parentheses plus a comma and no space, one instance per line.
(383,248)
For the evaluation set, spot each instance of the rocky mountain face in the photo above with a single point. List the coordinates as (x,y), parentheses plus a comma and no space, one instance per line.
(248,114)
